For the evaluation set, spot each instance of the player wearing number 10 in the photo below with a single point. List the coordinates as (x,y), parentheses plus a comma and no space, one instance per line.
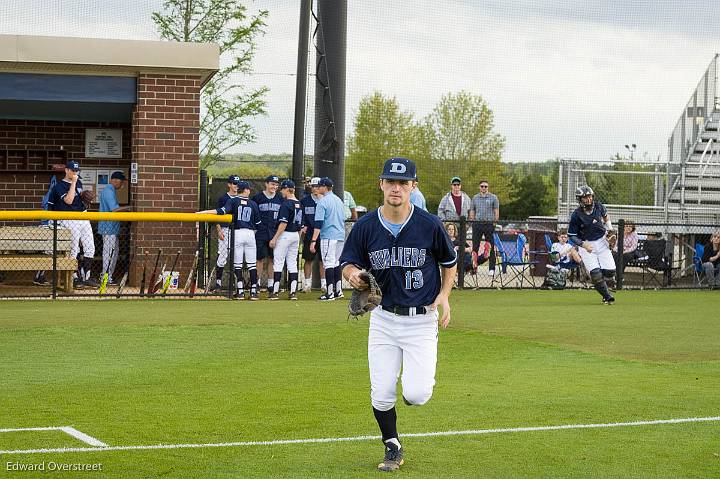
(402,247)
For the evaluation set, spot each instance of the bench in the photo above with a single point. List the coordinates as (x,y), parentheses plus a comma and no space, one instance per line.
(29,248)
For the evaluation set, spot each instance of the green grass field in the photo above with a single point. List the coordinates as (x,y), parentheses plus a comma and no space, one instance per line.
(138,373)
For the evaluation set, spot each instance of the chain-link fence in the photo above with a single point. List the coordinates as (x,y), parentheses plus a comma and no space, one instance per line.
(521,254)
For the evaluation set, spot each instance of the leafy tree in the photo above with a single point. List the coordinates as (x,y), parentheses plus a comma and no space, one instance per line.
(532,199)
(381,130)
(226,106)
(464,144)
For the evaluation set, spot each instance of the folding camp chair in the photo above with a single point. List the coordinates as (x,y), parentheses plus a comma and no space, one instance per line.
(697,263)
(511,252)
(657,267)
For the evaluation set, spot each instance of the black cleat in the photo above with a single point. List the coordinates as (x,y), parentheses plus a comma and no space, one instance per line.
(91,283)
(240,294)
(215,287)
(339,295)
(393,458)
(273,296)
(326,297)
(254,297)
(609,300)
(292,297)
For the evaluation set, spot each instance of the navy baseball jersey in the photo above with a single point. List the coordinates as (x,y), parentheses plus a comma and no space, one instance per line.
(269,209)
(221,202)
(291,213)
(409,259)
(587,227)
(308,204)
(244,210)
(56,201)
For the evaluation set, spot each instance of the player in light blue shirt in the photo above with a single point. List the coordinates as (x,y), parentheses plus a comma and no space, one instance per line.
(330,229)
(110,230)
(418,199)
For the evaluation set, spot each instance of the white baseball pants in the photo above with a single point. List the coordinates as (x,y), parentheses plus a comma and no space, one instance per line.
(81,232)
(245,248)
(286,251)
(600,258)
(223,245)
(330,251)
(402,342)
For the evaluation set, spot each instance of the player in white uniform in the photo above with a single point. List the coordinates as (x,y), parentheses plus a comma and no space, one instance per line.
(402,246)
(223,231)
(286,241)
(246,219)
(65,196)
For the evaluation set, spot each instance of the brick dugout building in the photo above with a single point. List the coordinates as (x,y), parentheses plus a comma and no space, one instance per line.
(109,104)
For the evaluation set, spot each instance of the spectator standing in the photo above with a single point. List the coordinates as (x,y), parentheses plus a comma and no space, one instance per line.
(456,203)
(110,230)
(485,211)
(711,261)
(418,199)
(350,206)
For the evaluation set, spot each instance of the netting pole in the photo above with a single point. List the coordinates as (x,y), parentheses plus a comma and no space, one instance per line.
(462,235)
(54,262)
(202,230)
(231,261)
(620,244)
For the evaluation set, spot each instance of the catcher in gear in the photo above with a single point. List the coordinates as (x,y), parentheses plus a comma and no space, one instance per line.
(367,298)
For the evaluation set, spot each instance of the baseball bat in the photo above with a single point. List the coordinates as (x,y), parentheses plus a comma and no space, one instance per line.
(122,283)
(210,280)
(168,280)
(106,275)
(142,280)
(191,274)
(153,288)
(154,273)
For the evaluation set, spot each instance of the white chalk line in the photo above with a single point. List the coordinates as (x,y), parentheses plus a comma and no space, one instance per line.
(83,437)
(66,429)
(469,432)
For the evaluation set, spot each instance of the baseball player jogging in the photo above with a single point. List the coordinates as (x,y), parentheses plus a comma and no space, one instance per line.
(286,241)
(268,201)
(589,224)
(223,230)
(246,219)
(330,229)
(66,195)
(401,246)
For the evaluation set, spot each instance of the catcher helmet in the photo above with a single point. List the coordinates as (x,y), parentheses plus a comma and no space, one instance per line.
(582,192)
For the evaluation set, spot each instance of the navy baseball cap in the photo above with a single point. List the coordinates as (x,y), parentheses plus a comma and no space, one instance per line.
(399,169)
(272,179)
(234,179)
(455,179)
(287,184)
(325,181)
(315,181)
(243,185)
(72,165)
(118,175)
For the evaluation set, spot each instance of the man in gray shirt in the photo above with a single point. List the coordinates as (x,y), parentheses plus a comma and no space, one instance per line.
(485,211)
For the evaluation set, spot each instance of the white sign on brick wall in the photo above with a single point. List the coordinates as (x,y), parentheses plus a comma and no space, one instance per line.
(103,143)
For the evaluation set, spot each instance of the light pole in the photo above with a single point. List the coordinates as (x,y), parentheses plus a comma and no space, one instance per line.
(631,148)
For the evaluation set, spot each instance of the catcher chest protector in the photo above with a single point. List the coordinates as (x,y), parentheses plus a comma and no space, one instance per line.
(555,279)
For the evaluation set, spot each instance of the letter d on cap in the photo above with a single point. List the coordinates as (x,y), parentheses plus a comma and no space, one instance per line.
(398,168)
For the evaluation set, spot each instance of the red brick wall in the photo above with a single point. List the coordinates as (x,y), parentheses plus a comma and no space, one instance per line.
(25,189)
(165,145)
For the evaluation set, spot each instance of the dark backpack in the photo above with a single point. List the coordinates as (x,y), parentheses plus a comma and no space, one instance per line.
(555,279)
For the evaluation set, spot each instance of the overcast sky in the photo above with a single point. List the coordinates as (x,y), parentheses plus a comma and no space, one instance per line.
(564,78)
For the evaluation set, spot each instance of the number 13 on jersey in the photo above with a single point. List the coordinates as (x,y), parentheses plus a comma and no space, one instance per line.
(413,279)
